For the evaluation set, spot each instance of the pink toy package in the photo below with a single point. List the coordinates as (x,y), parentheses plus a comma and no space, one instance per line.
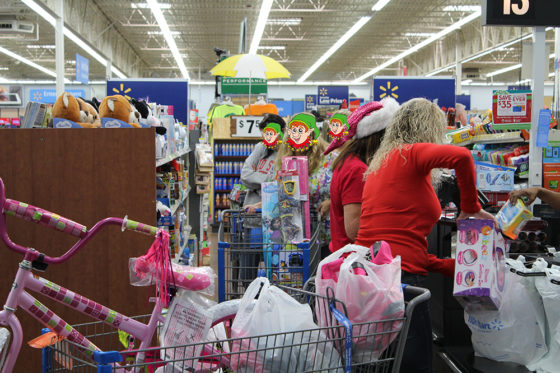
(300,164)
(480,264)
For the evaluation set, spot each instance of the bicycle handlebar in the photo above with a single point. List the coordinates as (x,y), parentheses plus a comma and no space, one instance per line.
(56,222)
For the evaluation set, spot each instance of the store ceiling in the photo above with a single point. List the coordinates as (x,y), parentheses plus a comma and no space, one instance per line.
(298,32)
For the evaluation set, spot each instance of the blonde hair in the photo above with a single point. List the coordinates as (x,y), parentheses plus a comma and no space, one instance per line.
(314,153)
(417,121)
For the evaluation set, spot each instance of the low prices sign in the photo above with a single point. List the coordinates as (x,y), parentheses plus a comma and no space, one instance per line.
(245,126)
(512,108)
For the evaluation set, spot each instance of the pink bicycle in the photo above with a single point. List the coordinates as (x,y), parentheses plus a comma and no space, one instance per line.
(25,280)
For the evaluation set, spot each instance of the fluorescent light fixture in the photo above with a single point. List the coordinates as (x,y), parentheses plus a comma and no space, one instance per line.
(161,33)
(421,45)
(380,5)
(551,75)
(284,21)
(462,8)
(419,34)
(357,26)
(274,48)
(435,72)
(146,6)
(520,82)
(4,68)
(117,72)
(14,81)
(27,62)
(466,82)
(504,70)
(36,46)
(156,11)
(287,83)
(259,28)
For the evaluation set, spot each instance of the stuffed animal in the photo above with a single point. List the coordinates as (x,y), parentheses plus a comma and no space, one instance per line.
(68,107)
(88,114)
(118,107)
(146,114)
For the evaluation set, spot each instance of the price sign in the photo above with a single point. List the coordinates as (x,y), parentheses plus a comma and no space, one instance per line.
(246,126)
(512,107)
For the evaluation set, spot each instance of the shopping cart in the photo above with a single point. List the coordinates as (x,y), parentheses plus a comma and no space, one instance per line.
(299,351)
(242,252)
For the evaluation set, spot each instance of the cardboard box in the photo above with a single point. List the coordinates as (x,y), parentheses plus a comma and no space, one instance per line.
(480,264)
(202,189)
(202,179)
(221,128)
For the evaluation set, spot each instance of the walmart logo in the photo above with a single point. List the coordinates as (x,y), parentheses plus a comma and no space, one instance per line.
(122,91)
(37,96)
(497,325)
(323,92)
(310,99)
(389,91)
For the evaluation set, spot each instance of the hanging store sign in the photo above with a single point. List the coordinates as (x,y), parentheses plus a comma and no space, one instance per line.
(332,95)
(240,86)
(310,102)
(82,69)
(521,12)
(403,88)
(48,96)
(512,109)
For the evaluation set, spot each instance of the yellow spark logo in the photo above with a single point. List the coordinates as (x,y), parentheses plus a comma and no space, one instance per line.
(323,92)
(310,99)
(37,96)
(389,91)
(122,91)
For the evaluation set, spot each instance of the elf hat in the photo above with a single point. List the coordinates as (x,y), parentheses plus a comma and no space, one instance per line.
(342,118)
(275,127)
(307,120)
(367,120)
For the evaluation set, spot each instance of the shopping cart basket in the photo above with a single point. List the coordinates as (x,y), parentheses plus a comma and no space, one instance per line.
(300,351)
(242,252)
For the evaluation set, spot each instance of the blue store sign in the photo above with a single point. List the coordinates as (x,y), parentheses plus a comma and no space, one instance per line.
(172,92)
(310,102)
(48,96)
(82,69)
(403,89)
(332,95)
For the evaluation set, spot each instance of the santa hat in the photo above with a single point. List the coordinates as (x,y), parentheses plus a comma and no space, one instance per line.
(367,120)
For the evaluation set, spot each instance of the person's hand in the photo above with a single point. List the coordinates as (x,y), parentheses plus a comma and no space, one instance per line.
(530,194)
(481,214)
(251,209)
(325,208)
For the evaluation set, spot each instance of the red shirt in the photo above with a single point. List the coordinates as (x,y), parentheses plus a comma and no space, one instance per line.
(400,206)
(347,185)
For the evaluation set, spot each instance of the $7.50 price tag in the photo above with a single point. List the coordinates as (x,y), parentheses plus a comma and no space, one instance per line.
(247,126)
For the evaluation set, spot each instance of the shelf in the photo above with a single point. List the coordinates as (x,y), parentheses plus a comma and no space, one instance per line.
(226,175)
(169,158)
(176,205)
(230,157)
(495,138)
(222,191)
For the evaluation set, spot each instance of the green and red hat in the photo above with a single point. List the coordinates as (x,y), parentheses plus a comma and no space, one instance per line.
(308,120)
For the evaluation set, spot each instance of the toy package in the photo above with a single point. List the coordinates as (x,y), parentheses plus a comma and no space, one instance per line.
(494,178)
(301,165)
(271,225)
(480,265)
(289,202)
(512,218)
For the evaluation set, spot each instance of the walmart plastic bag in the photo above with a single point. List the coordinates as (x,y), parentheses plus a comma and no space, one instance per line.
(549,290)
(280,333)
(516,331)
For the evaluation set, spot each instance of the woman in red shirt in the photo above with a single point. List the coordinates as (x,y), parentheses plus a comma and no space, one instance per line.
(400,206)
(365,129)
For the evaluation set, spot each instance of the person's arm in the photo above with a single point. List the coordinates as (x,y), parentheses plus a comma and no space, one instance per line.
(545,195)
(352,212)
(430,156)
(250,176)
(444,266)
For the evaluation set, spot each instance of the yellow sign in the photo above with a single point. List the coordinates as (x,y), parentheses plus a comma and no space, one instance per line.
(122,91)
(389,91)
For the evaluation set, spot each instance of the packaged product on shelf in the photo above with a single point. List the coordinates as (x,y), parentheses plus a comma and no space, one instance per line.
(494,178)
(479,267)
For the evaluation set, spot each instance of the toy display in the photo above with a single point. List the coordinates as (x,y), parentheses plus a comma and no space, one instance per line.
(117,107)
(303,132)
(88,114)
(66,113)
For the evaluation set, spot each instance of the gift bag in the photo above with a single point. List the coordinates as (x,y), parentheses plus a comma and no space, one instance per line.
(278,334)
(516,331)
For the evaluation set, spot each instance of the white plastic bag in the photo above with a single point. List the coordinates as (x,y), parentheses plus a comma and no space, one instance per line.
(299,347)
(516,331)
(550,292)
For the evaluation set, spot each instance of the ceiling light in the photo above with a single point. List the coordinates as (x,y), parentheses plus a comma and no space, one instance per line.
(70,35)
(466,82)
(462,8)
(27,62)
(3,68)
(35,46)
(421,45)
(156,11)
(344,38)
(284,21)
(504,70)
(520,82)
(274,48)
(551,75)
(146,6)
(419,34)
(259,28)
(161,33)
(435,72)
(380,5)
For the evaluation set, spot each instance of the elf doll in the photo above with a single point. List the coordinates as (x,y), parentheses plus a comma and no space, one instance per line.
(303,132)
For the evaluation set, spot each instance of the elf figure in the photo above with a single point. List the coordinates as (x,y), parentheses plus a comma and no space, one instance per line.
(272,135)
(338,126)
(300,130)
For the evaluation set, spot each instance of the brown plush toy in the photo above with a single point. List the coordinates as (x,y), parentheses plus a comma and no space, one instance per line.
(118,107)
(88,114)
(67,107)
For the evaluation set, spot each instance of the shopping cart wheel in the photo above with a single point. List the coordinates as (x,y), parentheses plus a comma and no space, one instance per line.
(5,337)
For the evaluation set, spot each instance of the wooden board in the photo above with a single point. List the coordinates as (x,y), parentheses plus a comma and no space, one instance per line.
(84,175)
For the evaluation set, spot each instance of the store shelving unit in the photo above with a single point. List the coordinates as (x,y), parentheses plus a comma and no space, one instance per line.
(169,158)
(495,138)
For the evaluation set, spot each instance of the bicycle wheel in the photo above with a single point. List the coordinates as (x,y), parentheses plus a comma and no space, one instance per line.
(5,337)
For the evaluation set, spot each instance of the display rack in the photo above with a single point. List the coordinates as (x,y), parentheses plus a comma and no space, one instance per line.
(169,158)
(495,138)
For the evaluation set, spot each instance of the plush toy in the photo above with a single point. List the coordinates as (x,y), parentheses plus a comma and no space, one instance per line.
(118,107)
(88,114)
(68,107)
(146,113)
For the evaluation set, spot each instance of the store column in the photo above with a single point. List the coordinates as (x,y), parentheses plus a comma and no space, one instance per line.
(59,45)
(458,68)
(535,152)
(556,105)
